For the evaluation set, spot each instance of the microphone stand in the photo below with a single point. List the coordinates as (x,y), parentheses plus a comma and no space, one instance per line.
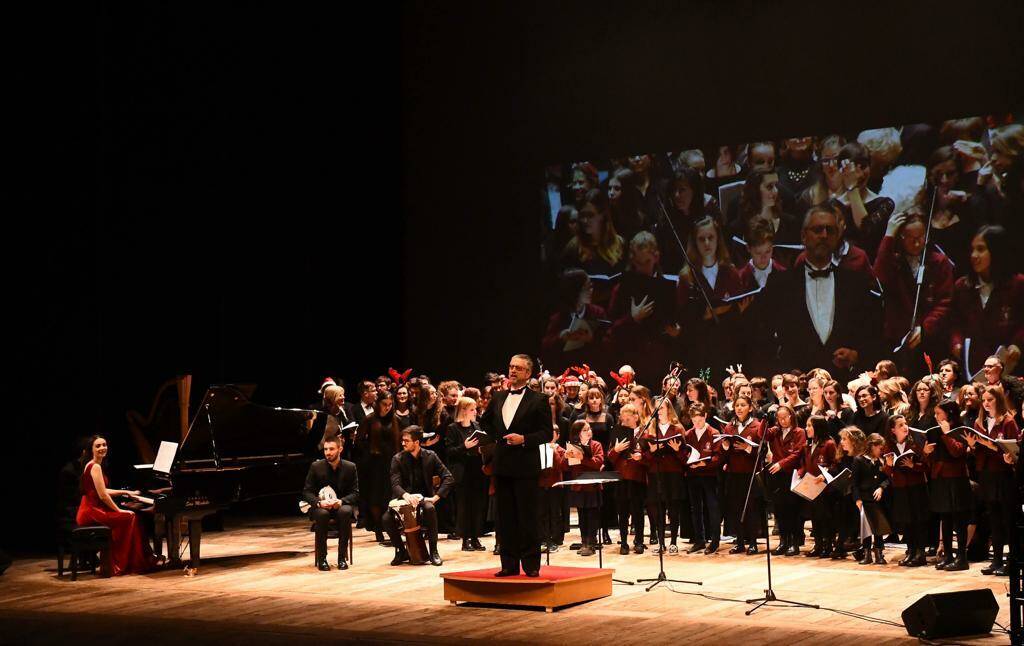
(769,594)
(920,268)
(686,258)
(659,497)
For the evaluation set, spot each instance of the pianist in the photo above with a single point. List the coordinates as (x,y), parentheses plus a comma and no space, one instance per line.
(340,476)
(413,471)
(130,551)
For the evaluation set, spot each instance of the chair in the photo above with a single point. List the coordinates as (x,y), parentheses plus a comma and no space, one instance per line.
(333,531)
(82,541)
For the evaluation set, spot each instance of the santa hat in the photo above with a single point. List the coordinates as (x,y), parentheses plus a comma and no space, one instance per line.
(328,381)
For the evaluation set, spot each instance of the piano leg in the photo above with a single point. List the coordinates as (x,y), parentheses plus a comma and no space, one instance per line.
(195,534)
(174,541)
(159,531)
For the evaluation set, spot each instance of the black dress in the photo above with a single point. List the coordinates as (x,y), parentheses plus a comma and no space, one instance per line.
(867,477)
(873,424)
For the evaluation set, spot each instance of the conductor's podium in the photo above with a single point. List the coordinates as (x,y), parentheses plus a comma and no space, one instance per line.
(554,588)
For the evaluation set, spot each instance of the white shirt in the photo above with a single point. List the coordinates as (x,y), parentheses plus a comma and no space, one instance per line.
(914,262)
(740,427)
(663,427)
(984,292)
(899,447)
(990,422)
(711,274)
(761,275)
(509,408)
(366,409)
(820,294)
(700,432)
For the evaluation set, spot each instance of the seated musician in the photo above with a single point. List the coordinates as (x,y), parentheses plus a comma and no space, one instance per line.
(339,475)
(412,479)
(130,551)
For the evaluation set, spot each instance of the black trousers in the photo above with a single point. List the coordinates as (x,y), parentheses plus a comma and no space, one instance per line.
(321,519)
(427,514)
(590,521)
(552,529)
(787,508)
(471,507)
(629,502)
(520,536)
(704,503)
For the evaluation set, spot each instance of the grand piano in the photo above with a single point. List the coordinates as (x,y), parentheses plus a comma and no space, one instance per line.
(233,450)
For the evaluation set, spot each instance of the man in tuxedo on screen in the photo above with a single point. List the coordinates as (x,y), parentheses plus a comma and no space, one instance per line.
(518,420)
(821,314)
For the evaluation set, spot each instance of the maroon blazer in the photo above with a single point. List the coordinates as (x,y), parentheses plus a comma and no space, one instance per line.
(986,459)
(736,459)
(1001,322)
(901,286)
(786,452)
(747,279)
(708,448)
(551,475)
(661,457)
(727,283)
(902,476)
(824,454)
(948,460)
(594,463)
(627,467)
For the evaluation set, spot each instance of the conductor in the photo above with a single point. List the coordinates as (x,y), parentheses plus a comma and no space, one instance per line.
(518,421)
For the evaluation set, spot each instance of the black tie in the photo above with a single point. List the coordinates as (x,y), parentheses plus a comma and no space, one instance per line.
(516,391)
(820,273)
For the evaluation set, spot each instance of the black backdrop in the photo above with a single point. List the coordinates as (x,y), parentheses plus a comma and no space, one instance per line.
(271,192)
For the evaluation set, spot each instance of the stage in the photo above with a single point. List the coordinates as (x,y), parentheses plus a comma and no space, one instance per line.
(257,585)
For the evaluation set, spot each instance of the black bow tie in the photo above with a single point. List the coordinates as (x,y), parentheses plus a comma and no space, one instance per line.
(516,391)
(820,273)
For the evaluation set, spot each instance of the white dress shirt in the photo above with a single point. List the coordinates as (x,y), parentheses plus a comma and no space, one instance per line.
(509,408)
(820,294)
(711,274)
(761,275)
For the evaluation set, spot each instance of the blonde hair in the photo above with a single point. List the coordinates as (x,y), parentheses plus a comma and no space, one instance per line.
(856,438)
(462,406)
(890,392)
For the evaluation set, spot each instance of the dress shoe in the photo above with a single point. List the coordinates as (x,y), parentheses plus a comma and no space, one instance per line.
(815,551)
(435,558)
(1001,571)
(839,553)
(586,550)
(866,560)
(918,560)
(738,548)
(623,549)
(475,542)
(552,548)
(942,564)
(711,549)
(639,548)
(653,541)
(792,550)
(401,556)
(879,556)
(991,569)
(673,549)
(780,550)
(696,547)
(342,563)
(575,546)
(752,550)
(958,565)
(497,549)
(467,546)
(322,565)
(504,572)
(606,537)
(533,573)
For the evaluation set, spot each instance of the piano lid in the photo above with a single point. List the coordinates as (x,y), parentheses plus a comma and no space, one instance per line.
(241,428)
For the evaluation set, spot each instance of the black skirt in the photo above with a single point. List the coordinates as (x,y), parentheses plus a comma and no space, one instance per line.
(630,490)
(876,518)
(910,505)
(998,486)
(951,496)
(667,486)
(587,499)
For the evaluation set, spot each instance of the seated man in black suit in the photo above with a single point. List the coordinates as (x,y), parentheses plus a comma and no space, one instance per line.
(412,479)
(339,475)
(819,315)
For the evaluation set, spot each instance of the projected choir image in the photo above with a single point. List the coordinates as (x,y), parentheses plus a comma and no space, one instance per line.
(905,236)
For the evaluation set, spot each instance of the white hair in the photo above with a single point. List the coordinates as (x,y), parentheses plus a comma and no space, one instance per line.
(903,185)
(882,142)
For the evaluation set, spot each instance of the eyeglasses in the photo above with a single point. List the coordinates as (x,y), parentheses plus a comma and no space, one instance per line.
(820,229)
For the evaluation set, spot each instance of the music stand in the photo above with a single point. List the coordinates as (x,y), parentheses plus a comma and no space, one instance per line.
(610,477)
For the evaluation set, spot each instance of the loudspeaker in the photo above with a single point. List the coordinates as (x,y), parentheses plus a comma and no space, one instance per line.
(951,614)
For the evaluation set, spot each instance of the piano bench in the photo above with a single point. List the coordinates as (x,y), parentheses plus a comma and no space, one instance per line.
(333,532)
(86,540)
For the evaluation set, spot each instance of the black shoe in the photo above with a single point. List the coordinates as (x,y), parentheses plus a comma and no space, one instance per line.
(435,558)
(322,565)
(867,558)
(738,548)
(475,542)
(360,524)
(780,550)
(815,551)
(552,548)
(942,565)
(342,563)
(467,546)
(839,553)
(991,569)
(958,565)
(575,546)
(401,556)
(623,549)
(504,572)
(653,541)
(918,559)
(858,554)
(793,550)
(752,550)
(497,549)
(696,547)
(1001,571)
(639,548)
(711,548)
(586,550)
(533,573)
(929,552)
(879,556)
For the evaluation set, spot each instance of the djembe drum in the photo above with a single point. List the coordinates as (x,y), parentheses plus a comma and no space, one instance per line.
(406,516)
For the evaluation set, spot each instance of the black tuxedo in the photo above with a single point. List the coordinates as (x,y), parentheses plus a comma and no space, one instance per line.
(516,470)
(345,483)
(789,330)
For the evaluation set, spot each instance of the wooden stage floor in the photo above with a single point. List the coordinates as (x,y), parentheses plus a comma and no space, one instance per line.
(257,585)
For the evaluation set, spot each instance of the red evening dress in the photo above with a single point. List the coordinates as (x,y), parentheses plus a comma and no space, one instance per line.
(130,552)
